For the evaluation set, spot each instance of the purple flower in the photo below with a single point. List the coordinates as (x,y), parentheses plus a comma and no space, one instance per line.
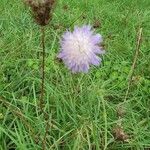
(79,49)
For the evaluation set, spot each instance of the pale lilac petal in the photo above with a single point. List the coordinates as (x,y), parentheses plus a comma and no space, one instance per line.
(97,39)
(98,50)
(61,55)
(96,61)
(85,68)
(86,28)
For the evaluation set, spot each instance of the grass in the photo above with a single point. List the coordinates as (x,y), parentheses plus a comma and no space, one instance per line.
(82,108)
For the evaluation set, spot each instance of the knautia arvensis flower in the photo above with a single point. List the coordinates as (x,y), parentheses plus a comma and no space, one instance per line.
(80,49)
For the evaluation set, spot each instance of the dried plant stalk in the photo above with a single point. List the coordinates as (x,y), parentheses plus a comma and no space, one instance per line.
(42,67)
(41,11)
(139,40)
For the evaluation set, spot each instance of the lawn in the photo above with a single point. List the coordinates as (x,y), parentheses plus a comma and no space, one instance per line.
(106,109)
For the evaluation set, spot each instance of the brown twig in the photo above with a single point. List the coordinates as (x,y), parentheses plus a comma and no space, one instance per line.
(139,38)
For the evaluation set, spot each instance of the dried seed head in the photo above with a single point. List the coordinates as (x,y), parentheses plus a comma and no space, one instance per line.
(119,134)
(41,10)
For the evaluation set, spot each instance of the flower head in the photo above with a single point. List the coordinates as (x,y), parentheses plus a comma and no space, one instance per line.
(79,49)
(41,10)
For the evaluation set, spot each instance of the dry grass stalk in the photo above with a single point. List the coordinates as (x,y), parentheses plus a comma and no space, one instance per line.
(139,40)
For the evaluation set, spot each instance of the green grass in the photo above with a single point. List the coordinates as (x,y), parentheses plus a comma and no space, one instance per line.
(82,108)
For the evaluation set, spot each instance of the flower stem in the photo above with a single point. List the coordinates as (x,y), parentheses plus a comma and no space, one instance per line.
(42,68)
